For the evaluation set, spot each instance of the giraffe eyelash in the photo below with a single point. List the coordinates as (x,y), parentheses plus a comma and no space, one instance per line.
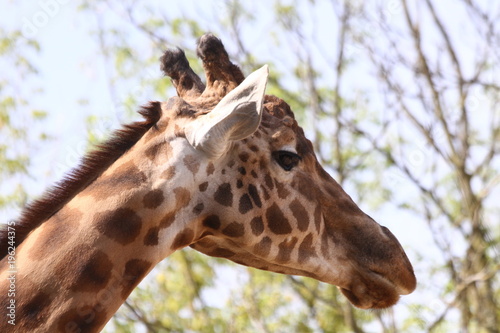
(286,159)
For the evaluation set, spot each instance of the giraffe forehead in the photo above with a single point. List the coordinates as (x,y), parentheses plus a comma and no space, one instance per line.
(280,130)
(285,137)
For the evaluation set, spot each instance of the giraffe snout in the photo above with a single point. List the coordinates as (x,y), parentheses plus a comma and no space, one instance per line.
(399,270)
(379,270)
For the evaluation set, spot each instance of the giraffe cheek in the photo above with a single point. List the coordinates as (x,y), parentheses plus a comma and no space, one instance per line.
(306,187)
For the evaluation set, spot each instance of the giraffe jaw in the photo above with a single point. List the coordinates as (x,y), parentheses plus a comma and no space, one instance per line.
(368,290)
(365,289)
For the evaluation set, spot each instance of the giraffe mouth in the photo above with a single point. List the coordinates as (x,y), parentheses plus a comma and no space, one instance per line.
(372,290)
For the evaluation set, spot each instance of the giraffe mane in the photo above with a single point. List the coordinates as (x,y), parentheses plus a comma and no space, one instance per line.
(91,166)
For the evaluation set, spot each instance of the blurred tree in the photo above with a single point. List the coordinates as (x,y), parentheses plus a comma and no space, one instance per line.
(17,117)
(401,99)
(441,88)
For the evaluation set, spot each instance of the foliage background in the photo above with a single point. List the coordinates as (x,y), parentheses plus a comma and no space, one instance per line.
(400,98)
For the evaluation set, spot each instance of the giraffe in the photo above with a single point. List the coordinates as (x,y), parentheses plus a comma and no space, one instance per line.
(222,168)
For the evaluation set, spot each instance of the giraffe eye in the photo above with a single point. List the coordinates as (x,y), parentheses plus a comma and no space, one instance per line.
(287,160)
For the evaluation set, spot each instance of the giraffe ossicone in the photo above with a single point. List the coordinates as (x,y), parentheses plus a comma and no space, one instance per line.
(221,168)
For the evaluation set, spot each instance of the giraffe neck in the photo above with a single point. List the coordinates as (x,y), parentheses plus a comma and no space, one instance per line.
(77,268)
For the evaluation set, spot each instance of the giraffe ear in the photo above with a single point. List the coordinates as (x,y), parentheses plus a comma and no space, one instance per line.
(236,116)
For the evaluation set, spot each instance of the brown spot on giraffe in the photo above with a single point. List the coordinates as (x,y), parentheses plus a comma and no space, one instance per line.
(151,237)
(245,204)
(169,173)
(300,214)
(325,239)
(306,249)
(167,220)
(276,221)
(224,195)
(191,164)
(124,178)
(153,199)
(122,225)
(283,193)
(263,247)
(254,148)
(317,218)
(135,271)
(244,157)
(257,225)
(203,186)
(198,209)
(254,194)
(159,151)
(36,310)
(265,193)
(182,197)
(183,239)
(234,229)
(83,318)
(269,181)
(94,274)
(263,164)
(210,169)
(212,221)
(285,250)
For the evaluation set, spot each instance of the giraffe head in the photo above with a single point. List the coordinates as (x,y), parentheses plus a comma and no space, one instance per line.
(262,199)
